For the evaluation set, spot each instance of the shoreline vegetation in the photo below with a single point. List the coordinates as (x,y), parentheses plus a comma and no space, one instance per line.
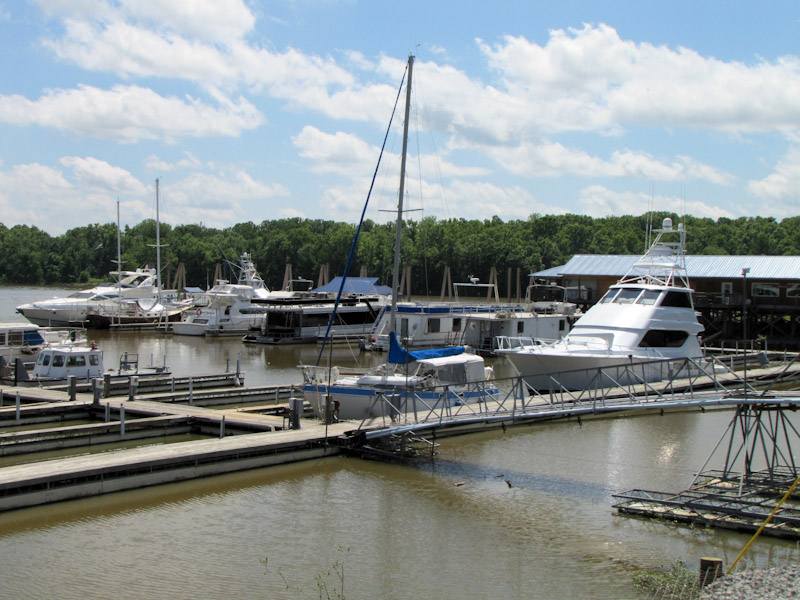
(469,247)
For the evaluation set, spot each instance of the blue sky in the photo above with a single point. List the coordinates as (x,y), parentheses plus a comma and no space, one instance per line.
(248,111)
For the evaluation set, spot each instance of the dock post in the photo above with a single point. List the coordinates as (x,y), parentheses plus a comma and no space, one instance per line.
(710,569)
(122,419)
(227,365)
(191,392)
(16,412)
(222,427)
(295,412)
(108,413)
(1,397)
(95,390)
(72,383)
(106,385)
(133,387)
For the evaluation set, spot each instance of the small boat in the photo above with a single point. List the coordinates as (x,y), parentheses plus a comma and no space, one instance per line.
(59,363)
(646,317)
(24,340)
(417,382)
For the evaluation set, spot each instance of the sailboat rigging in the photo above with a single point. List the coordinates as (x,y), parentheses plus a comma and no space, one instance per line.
(409,381)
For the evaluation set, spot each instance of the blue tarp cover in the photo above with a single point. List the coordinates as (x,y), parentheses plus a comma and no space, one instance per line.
(355,285)
(399,355)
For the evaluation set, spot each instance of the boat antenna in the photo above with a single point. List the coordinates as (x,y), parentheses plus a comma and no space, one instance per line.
(354,244)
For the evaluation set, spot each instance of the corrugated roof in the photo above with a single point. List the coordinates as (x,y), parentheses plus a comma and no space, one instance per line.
(697,267)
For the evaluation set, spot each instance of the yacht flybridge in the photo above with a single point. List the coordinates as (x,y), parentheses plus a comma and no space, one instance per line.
(648,315)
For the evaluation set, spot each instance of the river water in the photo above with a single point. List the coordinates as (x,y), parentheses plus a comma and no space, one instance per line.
(524,513)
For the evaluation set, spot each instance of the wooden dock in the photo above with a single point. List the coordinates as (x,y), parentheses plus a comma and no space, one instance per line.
(237,440)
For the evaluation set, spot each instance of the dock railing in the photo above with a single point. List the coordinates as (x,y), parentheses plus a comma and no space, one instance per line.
(627,386)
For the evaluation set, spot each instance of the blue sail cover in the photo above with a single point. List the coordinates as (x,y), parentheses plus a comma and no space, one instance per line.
(399,355)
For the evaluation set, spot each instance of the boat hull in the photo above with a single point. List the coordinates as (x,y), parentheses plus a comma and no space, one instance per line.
(544,372)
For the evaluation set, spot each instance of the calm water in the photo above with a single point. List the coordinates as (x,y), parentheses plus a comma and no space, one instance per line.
(399,531)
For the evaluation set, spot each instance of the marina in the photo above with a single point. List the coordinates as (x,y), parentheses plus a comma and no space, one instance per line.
(174,462)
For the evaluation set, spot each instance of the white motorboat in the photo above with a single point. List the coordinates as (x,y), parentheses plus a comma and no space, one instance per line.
(25,340)
(74,310)
(409,383)
(231,308)
(646,317)
(59,362)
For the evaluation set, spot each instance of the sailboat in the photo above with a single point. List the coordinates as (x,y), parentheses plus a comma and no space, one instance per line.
(154,308)
(408,382)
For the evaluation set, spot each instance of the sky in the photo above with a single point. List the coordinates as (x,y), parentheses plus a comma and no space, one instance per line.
(250,110)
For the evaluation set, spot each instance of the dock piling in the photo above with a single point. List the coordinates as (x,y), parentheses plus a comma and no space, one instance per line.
(72,383)
(121,420)
(16,412)
(222,427)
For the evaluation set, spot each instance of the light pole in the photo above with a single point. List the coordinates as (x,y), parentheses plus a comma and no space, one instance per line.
(745,271)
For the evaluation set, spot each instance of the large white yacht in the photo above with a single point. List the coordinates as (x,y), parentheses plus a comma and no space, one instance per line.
(74,310)
(231,308)
(648,315)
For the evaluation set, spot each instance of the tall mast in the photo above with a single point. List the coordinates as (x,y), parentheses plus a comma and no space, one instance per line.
(119,270)
(158,248)
(399,224)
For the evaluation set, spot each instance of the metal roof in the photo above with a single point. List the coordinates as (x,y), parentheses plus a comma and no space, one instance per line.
(697,267)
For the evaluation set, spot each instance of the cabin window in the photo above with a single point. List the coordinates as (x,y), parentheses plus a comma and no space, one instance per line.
(521,327)
(58,360)
(726,288)
(456,324)
(608,297)
(434,326)
(627,296)
(76,361)
(3,338)
(766,290)
(562,325)
(649,297)
(793,291)
(93,360)
(44,359)
(15,338)
(404,328)
(660,338)
(677,299)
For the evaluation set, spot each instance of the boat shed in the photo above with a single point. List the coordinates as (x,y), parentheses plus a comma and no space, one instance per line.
(765,288)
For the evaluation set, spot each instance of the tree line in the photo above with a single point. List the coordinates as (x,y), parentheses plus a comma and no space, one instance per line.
(469,247)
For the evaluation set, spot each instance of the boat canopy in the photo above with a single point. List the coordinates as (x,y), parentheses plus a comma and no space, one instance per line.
(356,285)
(399,355)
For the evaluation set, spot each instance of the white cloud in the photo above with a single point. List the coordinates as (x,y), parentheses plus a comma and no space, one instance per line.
(589,79)
(128,114)
(778,191)
(155,164)
(98,174)
(87,190)
(599,201)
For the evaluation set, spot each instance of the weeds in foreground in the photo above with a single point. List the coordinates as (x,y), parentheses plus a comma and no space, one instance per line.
(677,583)
(329,582)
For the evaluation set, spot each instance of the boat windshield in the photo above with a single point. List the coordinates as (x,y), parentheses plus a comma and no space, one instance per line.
(649,297)
(627,296)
